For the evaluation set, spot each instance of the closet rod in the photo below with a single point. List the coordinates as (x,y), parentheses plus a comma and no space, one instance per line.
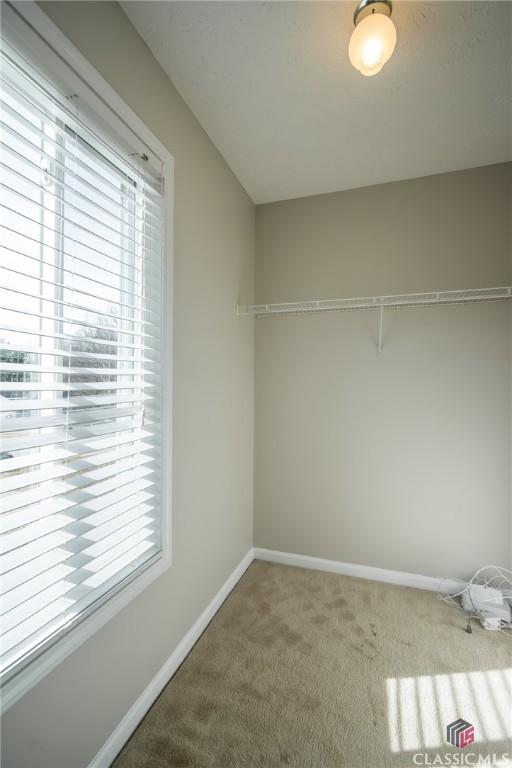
(377,302)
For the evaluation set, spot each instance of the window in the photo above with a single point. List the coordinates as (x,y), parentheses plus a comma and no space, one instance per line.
(81,379)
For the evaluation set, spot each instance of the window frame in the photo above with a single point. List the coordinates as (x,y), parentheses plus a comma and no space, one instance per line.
(31,30)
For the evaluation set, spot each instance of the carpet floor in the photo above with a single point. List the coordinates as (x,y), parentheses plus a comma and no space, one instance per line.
(314,670)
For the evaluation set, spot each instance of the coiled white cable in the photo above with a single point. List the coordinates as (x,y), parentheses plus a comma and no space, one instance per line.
(493,576)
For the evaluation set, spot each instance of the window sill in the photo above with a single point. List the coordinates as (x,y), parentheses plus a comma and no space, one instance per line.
(19,685)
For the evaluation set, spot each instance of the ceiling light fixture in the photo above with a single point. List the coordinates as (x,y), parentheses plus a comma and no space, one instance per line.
(374,37)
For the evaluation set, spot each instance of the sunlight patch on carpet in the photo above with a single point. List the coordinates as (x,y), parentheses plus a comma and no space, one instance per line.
(420,708)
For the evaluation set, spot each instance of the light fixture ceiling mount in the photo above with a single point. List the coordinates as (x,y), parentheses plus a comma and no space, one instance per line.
(366,7)
(374,37)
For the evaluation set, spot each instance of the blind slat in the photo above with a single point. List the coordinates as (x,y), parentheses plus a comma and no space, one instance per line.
(85,483)
(59,539)
(36,568)
(75,354)
(94,415)
(58,386)
(136,241)
(19,404)
(13,87)
(45,569)
(71,305)
(88,232)
(76,258)
(94,448)
(137,237)
(83,465)
(28,600)
(75,339)
(151,287)
(10,639)
(74,289)
(83,371)
(11,307)
(27,221)
(62,522)
(90,431)
(66,613)
(80,182)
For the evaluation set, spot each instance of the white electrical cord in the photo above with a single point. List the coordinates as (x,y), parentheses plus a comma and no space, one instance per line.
(493,576)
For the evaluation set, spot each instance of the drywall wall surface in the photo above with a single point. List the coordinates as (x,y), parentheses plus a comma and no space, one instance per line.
(64,720)
(440,232)
(400,459)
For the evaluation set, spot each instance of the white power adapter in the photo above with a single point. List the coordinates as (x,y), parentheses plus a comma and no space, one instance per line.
(489,604)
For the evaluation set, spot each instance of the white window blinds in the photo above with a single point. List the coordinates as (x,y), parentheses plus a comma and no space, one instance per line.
(80,386)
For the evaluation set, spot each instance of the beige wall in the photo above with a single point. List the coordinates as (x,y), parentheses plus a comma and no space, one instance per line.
(399,460)
(65,719)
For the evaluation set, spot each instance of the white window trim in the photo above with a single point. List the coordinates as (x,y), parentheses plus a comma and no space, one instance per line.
(106,95)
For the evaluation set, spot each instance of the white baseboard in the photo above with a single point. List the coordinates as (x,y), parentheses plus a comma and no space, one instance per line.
(361,571)
(131,720)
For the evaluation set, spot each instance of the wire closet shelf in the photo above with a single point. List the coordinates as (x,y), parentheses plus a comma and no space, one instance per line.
(472,295)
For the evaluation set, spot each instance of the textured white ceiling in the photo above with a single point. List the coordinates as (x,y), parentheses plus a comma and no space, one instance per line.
(272,85)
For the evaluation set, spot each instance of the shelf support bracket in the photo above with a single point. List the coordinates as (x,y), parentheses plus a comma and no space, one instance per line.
(381,324)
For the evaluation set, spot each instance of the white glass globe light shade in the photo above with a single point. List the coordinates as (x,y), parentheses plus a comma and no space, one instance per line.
(372,43)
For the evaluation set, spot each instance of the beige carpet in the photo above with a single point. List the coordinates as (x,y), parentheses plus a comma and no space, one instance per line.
(310,669)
